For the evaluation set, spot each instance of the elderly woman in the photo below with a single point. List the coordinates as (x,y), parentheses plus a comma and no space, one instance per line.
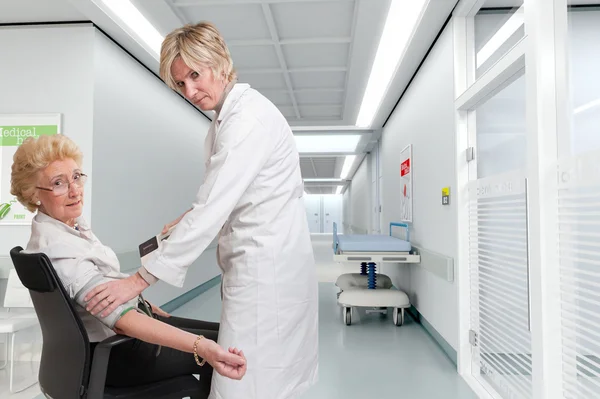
(252,198)
(47,177)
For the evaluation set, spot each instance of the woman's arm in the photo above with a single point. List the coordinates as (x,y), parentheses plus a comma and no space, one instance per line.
(230,364)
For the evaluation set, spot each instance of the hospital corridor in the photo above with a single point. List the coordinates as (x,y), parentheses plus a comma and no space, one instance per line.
(299,199)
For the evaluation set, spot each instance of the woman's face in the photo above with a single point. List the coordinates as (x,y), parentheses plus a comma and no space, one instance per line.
(68,206)
(198,85)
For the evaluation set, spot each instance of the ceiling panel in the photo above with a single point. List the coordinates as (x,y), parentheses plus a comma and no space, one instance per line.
(235,22)
(316,55)
(278,97)
(320,110)
(287,110)
(318,80)
(254,57)
(327,19)
(320,97)
(263,80)
(320,167)
(320,190)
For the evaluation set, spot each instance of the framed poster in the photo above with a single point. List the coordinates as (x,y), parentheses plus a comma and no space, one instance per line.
(406,164)
(14,129)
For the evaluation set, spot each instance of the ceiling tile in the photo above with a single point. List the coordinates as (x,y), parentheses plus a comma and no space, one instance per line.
(311,80)
(254,57)
(263,80)
(277,97)
(320,111)
(321,190)
(316,55)
(325,168)
(242,21)
(327,19)
(320,97)
(287,110)
(306,169)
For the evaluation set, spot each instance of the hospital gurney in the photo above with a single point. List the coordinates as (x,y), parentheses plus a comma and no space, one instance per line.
(368,289)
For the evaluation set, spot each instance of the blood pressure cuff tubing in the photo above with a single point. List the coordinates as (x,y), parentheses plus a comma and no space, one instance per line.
(110,320)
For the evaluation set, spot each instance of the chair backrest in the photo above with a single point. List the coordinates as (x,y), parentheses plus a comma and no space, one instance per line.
(65,362)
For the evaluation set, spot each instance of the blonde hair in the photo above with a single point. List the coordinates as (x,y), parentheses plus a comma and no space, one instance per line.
(34,155)
(199,45)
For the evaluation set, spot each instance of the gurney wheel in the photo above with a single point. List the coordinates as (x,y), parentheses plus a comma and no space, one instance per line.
(348,315)
(398,317)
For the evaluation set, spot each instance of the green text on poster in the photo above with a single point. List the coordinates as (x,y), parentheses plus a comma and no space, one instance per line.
(12,136)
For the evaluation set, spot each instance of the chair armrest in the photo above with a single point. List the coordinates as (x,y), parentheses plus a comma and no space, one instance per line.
(100,365)
(112,341)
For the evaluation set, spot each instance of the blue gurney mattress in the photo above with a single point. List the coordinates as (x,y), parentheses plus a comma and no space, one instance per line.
(372,243)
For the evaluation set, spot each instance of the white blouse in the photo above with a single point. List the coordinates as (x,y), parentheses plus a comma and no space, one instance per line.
(81,262)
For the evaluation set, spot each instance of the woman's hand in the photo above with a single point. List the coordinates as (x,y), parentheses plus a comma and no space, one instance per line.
(158,311)
(107,297)
(173,223)
(231,364)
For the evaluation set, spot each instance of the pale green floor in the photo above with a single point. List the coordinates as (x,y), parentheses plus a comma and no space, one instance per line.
(371,359)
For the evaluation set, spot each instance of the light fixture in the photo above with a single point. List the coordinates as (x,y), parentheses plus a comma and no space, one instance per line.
(339,190)
(403,16)
(587,106)
(137,24)
(311,180)
(347,165)
(501,36)
(327,143)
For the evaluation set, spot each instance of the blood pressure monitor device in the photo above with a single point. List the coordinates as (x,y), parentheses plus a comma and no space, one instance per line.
(147,247)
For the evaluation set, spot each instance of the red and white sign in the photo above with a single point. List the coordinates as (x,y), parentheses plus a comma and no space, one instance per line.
(405,168)
(406,184)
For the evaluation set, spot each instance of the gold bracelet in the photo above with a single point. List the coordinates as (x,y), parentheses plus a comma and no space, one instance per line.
(196,351)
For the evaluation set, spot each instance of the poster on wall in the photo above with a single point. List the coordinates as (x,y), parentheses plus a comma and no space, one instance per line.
(14,129)
(406,164)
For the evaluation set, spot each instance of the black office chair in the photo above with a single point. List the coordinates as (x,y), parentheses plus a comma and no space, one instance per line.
(65,370)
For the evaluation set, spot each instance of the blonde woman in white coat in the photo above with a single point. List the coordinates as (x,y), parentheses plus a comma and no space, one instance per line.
(252,198)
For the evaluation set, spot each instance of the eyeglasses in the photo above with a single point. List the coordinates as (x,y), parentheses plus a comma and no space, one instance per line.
(62,186)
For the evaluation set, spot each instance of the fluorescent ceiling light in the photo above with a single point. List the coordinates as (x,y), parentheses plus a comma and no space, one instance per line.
(587,106)
(400,24)
(322,180)
(339,190)
(327,143)
(504,33)
(137,23)
(347,165)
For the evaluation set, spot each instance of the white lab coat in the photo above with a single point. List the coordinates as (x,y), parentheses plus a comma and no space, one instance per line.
(252,193)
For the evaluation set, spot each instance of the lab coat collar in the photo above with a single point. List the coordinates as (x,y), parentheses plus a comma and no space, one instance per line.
(231,99)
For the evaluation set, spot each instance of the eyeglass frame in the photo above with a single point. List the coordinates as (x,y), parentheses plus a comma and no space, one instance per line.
(68,185)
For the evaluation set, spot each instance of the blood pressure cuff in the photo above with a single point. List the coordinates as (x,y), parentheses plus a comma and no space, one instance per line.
(110,320)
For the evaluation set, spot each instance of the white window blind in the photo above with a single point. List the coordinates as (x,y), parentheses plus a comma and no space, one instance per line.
(500,318)
(579,257)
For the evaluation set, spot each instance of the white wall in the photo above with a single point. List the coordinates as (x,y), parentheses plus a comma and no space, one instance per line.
(148,160)
(425,119)
(359,198)
(47,70)
(347,208)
